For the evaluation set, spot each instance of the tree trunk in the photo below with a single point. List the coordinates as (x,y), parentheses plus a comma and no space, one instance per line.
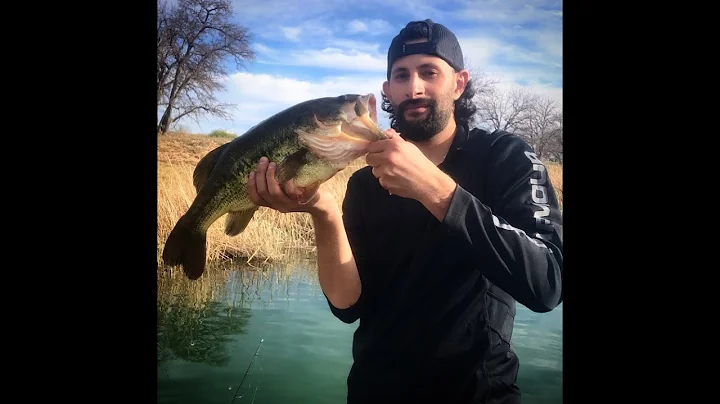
(165,121)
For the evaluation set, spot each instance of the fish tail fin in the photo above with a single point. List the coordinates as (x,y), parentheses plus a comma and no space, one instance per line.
(186,247)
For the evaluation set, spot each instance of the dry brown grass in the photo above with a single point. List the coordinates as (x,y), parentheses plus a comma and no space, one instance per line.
(555,172)
(270,234)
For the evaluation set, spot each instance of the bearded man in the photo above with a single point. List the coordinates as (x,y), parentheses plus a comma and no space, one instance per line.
(437,238)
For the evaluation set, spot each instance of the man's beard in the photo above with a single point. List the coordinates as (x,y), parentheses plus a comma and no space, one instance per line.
(436,119)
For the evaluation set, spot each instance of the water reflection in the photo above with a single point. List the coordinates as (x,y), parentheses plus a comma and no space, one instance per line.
(537,340)
(209,330)
(194,324)
(198,334)
(197,320)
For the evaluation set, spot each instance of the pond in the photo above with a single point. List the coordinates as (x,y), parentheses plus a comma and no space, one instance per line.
(268,334)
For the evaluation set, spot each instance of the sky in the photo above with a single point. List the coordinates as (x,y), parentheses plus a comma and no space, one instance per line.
(317,48)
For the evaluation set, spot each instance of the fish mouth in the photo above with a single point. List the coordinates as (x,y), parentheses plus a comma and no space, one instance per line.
(364,126)
(371,103)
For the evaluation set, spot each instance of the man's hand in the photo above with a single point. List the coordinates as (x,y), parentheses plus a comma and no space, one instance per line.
(405,171)
(264,190)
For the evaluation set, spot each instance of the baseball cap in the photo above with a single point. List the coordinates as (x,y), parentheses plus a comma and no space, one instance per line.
(441,42)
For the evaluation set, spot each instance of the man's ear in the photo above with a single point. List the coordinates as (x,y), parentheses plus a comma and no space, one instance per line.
(461,81)
(386,90)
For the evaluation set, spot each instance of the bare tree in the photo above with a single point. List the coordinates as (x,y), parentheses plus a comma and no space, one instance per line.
(540,128)
(521,111)
(505,110)
(481,82)
(195,39)
(556,150)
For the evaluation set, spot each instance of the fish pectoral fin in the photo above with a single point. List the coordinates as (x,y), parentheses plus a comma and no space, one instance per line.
(290,166)
(237,221)
(302,194)
(205,166)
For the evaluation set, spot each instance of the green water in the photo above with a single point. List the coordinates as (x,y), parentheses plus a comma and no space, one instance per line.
(209,332)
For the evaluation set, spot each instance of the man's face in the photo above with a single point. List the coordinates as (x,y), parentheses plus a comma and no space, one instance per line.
(422,90)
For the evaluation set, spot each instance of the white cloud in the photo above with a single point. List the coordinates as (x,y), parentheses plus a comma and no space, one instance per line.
(549,41)
(356,46)
(297,30)
(291,33)
(339,59)
(342,44)
(315,37)
(258,96)
(281,10)
(317,43)
(371,27)
(509,11)
(367,56)
(261,48)
(478,50)
(418,10)
(358,58)
(534,80)
(356,26)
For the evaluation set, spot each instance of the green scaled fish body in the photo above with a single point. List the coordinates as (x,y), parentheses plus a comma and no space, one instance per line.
(310,142)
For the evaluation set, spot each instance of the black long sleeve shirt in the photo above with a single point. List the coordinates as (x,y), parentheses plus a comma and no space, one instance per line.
(438,297)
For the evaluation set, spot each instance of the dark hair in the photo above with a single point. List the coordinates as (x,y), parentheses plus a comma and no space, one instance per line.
(464,106)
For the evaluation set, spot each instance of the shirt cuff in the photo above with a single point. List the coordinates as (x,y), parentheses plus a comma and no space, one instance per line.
(346,315)
(459,202)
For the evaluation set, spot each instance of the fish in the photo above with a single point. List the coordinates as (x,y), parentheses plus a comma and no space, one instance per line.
(310,142)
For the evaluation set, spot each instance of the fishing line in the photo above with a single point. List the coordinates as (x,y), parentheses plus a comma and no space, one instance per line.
(248,370)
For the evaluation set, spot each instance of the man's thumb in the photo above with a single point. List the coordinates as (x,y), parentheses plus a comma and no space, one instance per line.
(390,133)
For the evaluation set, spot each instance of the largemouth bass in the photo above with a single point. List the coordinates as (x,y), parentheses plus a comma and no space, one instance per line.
(310,142)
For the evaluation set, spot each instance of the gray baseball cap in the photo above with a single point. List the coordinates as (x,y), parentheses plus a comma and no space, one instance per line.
(441,42)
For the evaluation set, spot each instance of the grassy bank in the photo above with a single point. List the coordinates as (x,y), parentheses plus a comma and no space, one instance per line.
(269,234)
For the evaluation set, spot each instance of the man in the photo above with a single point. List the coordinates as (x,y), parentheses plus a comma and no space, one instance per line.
(437,238)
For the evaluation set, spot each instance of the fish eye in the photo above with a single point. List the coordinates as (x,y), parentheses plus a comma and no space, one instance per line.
(342,98)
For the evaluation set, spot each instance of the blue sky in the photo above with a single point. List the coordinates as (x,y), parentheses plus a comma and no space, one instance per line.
(315,48)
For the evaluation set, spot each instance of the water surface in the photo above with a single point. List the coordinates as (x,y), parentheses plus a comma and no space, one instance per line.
(209,332)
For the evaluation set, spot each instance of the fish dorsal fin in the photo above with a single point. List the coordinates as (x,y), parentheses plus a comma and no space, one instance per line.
(290,166)
(205,166)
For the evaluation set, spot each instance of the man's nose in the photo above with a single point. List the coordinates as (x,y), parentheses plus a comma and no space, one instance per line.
(417,87)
